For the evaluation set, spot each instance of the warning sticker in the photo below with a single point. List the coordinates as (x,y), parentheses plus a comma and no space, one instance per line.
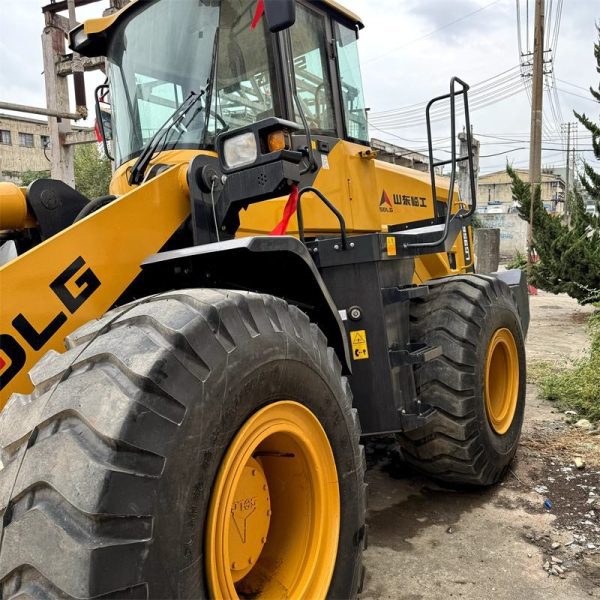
(358,340)
(391,245)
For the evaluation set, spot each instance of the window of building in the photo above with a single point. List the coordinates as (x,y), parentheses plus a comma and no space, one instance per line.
(5,137)
(26,139)
(45,140)
(311,69)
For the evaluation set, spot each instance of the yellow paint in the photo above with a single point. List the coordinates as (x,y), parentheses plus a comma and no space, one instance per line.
(119,184)
(358,342)
(501,380)
(113,242)
(355,185)
(296,558)
(344,11)
(100,24)
(391,245)
(13,206)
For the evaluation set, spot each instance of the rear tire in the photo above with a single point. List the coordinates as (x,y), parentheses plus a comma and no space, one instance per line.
(471,439)
(110,465)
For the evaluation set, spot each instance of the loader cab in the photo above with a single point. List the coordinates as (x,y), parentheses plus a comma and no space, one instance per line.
(159,51)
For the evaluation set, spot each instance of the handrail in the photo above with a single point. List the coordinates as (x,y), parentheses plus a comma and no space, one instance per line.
(453,160)
(329,205)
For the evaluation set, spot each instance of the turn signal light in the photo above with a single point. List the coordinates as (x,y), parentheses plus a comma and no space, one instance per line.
(277,140)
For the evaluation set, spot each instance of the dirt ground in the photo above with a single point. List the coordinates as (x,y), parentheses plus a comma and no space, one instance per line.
(428,542)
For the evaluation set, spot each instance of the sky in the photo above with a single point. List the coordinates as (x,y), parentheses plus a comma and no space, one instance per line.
(409,51)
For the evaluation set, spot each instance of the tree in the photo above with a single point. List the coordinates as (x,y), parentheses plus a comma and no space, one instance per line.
(29,176)
(92,171)
(589,178)
(569,253)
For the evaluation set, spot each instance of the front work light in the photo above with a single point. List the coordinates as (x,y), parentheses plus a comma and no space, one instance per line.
(260,143)
(240,150)
(278,140)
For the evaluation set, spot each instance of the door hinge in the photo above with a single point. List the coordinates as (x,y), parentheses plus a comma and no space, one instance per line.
(332,49)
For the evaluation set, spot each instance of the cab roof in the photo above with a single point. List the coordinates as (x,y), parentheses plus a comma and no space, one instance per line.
(91,38)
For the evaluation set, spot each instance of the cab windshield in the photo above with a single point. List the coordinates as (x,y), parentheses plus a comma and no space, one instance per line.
(169,49)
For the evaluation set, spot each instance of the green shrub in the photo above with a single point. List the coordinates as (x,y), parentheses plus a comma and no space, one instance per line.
(578,387)
(519,261)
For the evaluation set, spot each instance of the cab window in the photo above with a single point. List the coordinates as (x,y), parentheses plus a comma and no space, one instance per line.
(353,101)
(244,91)
(309,45)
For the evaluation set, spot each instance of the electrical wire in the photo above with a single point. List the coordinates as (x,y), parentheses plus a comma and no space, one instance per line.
(578,95)
(477,88)
(423,37)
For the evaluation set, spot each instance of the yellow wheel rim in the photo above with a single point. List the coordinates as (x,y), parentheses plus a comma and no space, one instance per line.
(274,515)
(501,380)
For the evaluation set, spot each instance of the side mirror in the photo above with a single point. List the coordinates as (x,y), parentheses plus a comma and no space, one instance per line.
(104,118)
(280,14)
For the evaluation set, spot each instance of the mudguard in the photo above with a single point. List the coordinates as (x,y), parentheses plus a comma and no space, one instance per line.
(517,282)
(277,265)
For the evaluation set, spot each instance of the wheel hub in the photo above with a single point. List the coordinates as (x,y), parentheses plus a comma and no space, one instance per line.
(501,380)
(273,524)
(250,517)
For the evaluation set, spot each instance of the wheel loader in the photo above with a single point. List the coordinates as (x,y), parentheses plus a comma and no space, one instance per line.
(188,365)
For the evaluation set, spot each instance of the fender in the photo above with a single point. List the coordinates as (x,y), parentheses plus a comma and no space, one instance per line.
(277,265)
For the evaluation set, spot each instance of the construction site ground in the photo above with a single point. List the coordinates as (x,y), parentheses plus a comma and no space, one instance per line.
(428,542)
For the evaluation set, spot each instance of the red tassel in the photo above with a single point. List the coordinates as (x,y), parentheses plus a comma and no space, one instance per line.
(290,208)
(260,9)
(97,131)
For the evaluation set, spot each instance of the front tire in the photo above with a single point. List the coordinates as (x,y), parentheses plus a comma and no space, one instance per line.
(476,387)
(113,465)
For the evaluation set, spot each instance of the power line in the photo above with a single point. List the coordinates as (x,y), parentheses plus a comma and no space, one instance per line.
(431,32)
(476,88)
(499,91)
(573,85)
(578,95)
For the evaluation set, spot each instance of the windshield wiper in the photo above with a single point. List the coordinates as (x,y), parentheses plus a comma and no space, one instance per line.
(141,164)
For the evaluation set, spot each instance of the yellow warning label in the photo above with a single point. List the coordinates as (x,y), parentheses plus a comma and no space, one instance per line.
(358,340)
(391,246)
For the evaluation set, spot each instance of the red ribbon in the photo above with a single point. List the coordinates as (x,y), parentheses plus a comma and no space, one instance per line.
(290,208)
(98,131)
(260,9)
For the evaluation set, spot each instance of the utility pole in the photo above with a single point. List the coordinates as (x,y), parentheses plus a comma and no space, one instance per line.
(77,68)
(567,177)
(464,181)
(535,152)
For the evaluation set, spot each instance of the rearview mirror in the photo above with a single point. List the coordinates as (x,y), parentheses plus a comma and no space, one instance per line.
(280,14)
(103,118)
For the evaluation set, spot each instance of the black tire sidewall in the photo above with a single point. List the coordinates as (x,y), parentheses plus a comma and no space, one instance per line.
(263,375)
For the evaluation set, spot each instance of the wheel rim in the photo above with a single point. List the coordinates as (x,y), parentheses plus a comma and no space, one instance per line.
(274,515)
(501,380)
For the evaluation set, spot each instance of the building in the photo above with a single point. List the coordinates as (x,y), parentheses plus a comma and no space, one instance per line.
(494,191)
(397,155)
(588,201)
(23,146)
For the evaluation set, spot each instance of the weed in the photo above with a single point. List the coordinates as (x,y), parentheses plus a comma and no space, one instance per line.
(576,387)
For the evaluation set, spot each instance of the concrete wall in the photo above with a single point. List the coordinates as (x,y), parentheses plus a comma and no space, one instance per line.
(513,232)
(15,158)
(487,250)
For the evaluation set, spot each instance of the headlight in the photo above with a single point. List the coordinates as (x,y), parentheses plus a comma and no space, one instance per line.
(240,150)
